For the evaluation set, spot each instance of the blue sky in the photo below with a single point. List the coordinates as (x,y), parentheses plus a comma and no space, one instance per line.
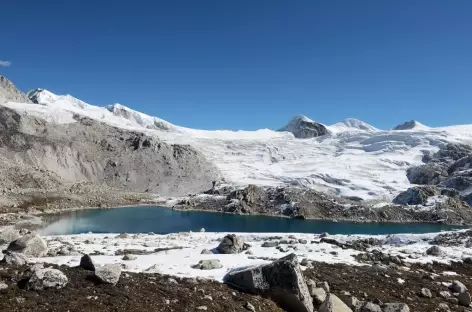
(249,64)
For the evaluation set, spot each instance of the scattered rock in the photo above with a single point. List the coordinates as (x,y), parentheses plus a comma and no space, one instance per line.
(270,244)
(108,274)
(3,286)
(426,293)
(231,244)
(464,299)
(435,251)
(334,304)
(208,265)
(202,308)
(248,306)
(396,307)
(207,252)
(324,285)
(452,300)
(458,287)
(86,263)
(47,278)
(444,294)
(14,258)
(282,280)
(442,307)
(122,235)
(128,257)
(371,307)
(30,245)
(173,281)
(303,241)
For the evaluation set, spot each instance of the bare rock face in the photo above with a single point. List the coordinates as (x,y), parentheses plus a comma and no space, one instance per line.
(47,278)
(9,93)
(416,195)
(304,128)
(30,245)
(282,280)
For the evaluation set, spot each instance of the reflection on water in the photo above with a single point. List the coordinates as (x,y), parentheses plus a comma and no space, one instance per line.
(163,220)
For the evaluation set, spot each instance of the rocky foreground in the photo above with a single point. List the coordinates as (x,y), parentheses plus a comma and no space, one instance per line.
(248,272)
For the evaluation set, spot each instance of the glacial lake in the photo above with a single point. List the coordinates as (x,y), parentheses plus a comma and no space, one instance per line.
(145,219)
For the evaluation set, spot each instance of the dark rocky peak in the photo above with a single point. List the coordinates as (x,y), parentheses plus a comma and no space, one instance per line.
(304,128)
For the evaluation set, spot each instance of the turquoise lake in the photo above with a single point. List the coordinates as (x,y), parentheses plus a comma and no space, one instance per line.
(161,220)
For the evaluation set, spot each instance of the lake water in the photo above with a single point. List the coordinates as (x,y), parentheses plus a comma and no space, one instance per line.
(163,220)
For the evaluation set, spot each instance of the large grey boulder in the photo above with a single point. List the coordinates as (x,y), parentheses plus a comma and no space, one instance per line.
(395,307)
(30,245)
(303,128)
(282,280)
(47,278)
(14,258)
(434,251)
(371,307)
(231,244)
(108,274)
(334,304)
(464,299)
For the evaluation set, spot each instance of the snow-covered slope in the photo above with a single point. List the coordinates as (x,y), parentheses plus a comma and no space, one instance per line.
(355,159)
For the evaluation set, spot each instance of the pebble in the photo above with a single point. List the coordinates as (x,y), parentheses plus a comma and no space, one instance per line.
(249,307)
(202,308)
(426,293)
(208,297)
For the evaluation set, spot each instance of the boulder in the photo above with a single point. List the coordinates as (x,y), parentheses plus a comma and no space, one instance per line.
(30,245)
(46,278)
(434,251)
(208,265)
(86,263)
(334,304)
(129,257)
(282,280)
(396,307)
(464,299)
(318,294)
(231,244)
(206,252)
(108,274)
(14,258)
(442,307)
(458,287)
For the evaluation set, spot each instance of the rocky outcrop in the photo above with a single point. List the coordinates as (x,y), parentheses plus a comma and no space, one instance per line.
(416,195)
(46,155)
(9,93)
(30,245)
(47,278)
(303,128)
(282,280)
(231,244)
(410,125)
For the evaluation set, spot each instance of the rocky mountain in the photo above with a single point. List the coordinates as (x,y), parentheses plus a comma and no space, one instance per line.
(42,155)
(303,128)
(8,92)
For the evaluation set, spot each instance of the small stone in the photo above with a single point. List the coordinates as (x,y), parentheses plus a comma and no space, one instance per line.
(434,251)
(173,281)
(467,260)
(303,241)
(248,306)
(464,299)
(208,265)
(442,307)
(206,252)
(324,234)
(269,244)
(128,257)
(167,301)
(371,307)
(122,235)
(208,297)
(324,285)
(426,293)
(396,307)
(444,294)
(3,286)
(202,230)
(202,308)
(453,300)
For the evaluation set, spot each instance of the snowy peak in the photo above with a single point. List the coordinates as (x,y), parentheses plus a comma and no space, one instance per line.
(303,127)
(146,121)
(352,124)
(411,125)
(47,98)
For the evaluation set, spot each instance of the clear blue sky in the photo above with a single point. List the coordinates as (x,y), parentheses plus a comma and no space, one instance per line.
(249,64)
